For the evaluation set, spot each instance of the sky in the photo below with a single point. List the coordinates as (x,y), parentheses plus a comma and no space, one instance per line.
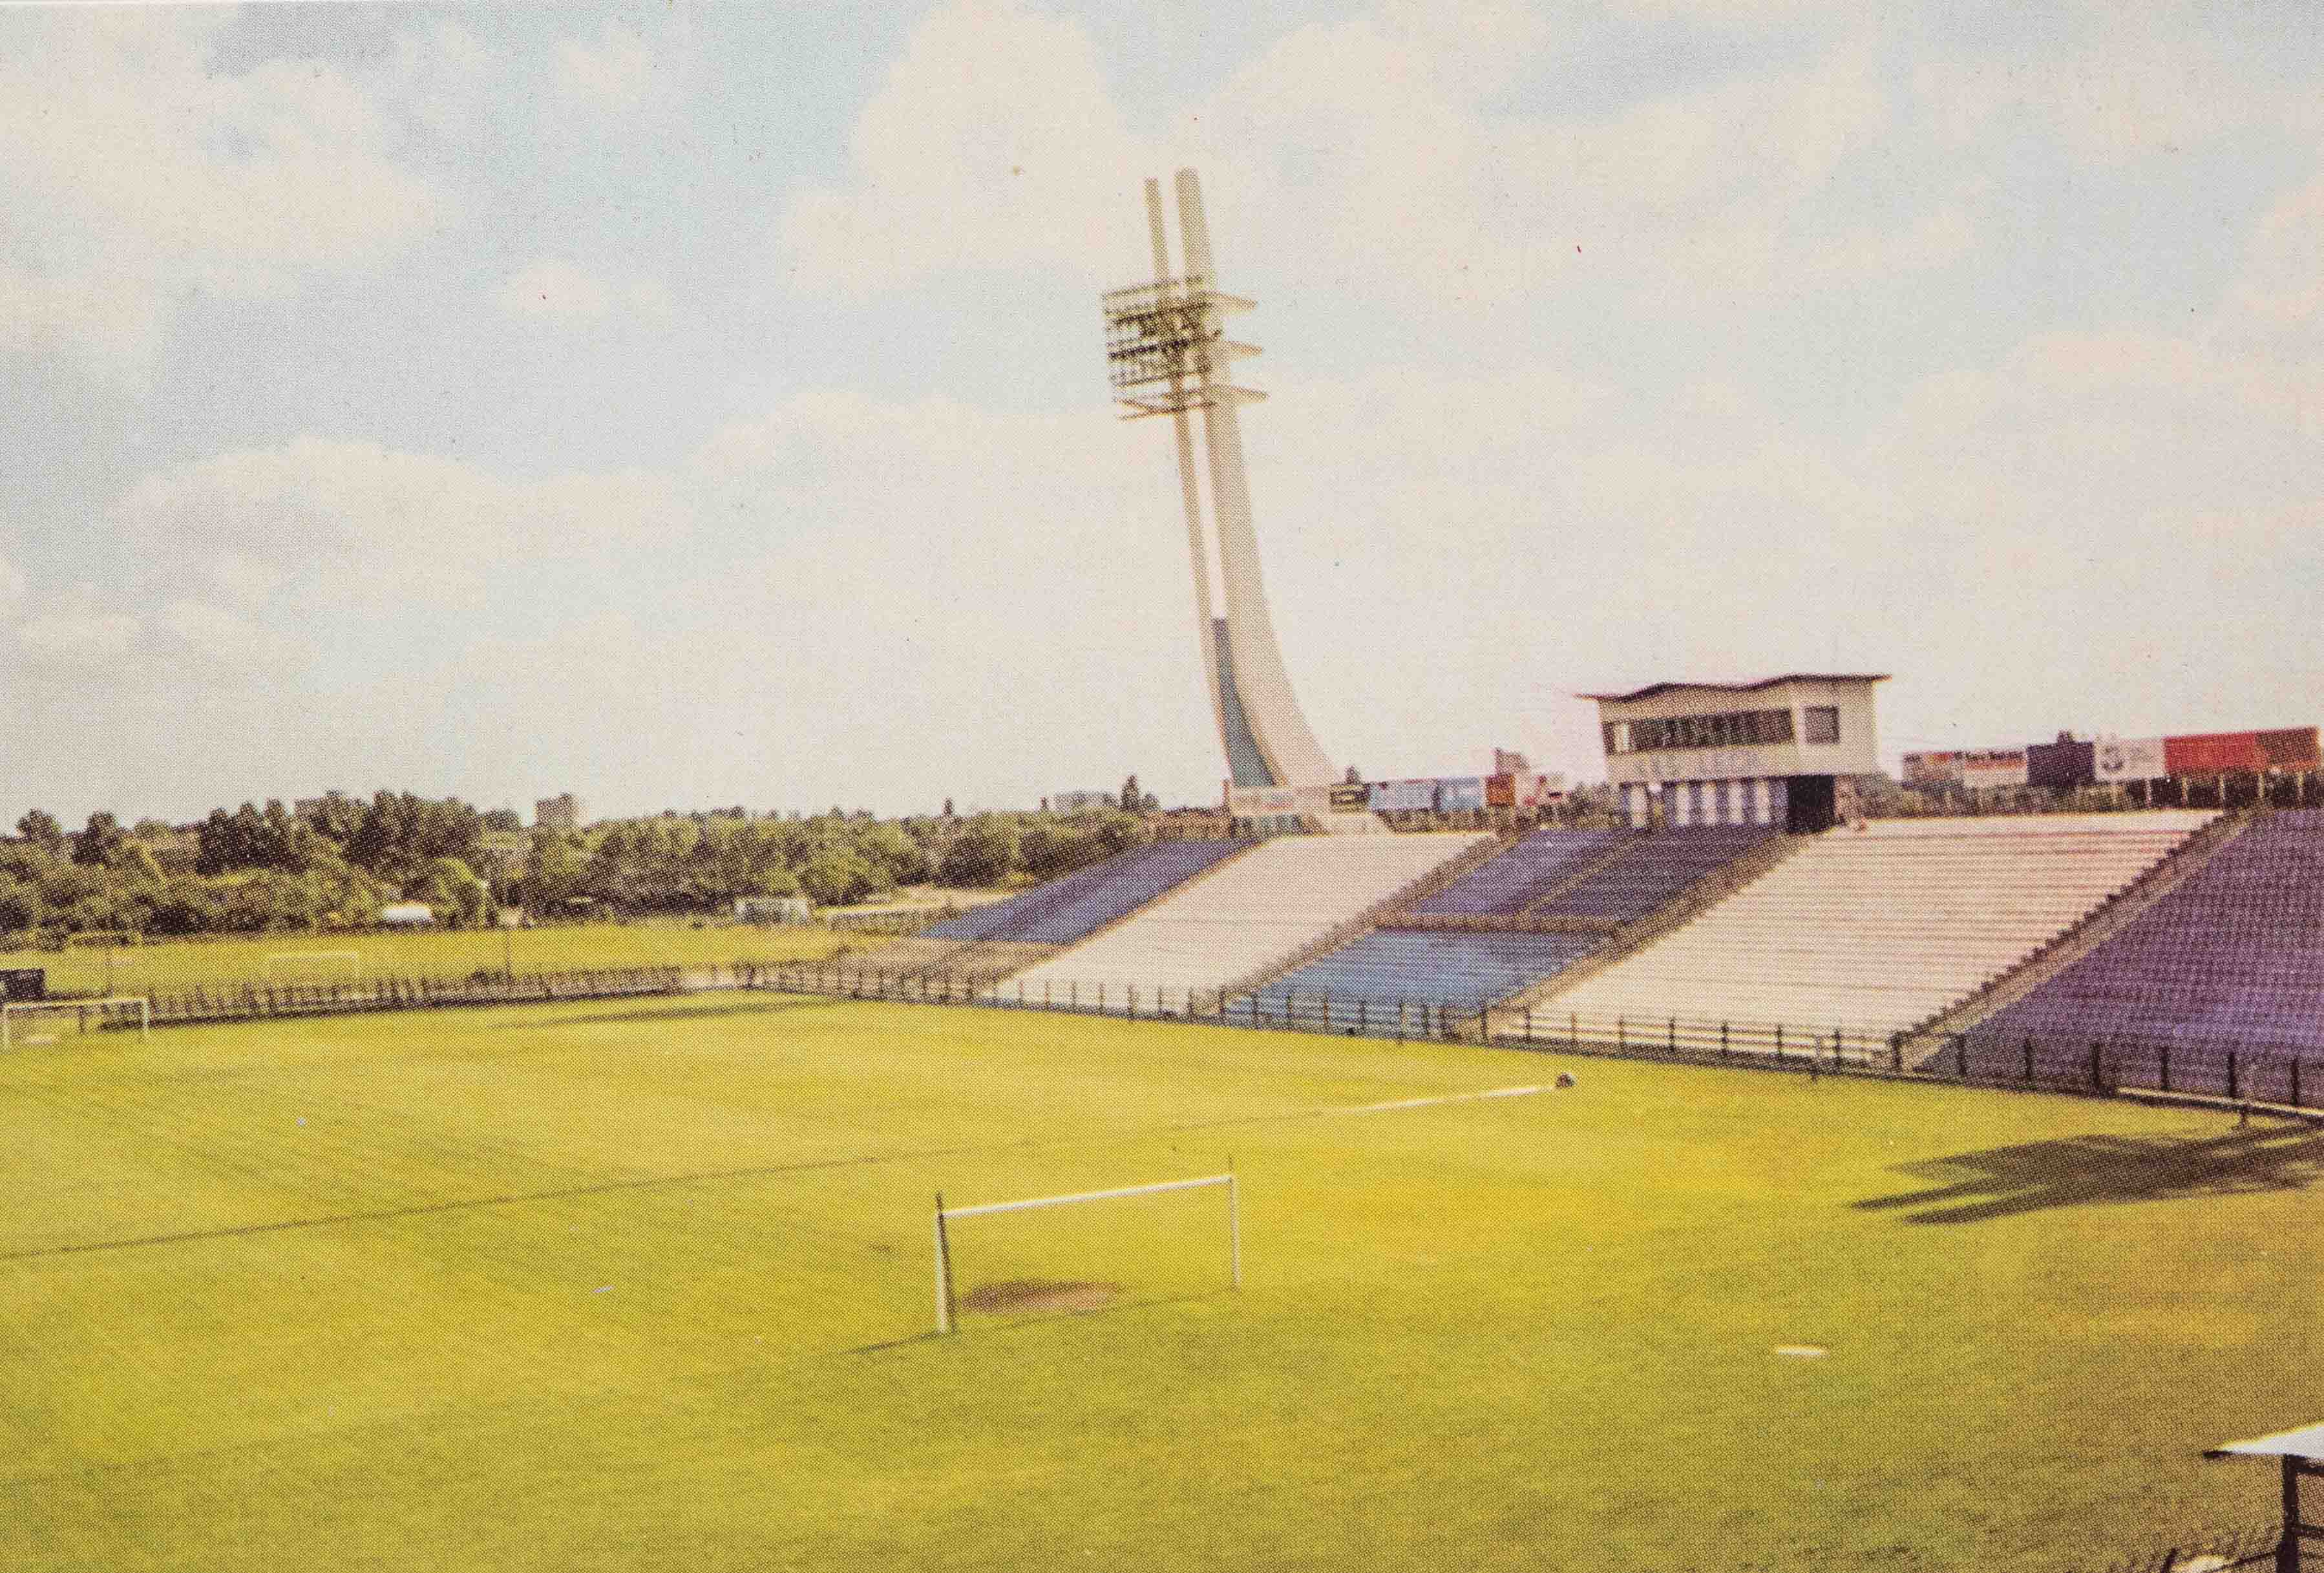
(687,406)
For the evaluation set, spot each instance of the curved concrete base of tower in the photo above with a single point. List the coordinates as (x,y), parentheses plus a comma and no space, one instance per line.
(1167,348)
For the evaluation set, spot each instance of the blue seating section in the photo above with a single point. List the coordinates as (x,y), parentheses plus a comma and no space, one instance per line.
(1069,909)
(1520,876)
(2231,959)
(1655,867)
(1421,966)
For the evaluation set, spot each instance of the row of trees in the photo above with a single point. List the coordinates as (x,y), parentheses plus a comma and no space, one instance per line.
(264,869)
(701,862)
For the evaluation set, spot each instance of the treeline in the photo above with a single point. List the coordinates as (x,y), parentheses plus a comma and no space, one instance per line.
(252,870)
(266,868)
(682,864)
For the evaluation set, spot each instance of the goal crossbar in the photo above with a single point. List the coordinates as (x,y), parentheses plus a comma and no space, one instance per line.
(945,1318)
(1030,1202)
(19,1007)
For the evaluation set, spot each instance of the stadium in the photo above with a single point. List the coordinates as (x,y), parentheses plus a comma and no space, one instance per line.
(1755,1162)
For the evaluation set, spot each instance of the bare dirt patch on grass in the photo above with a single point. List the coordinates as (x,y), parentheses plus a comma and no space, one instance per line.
(1023,1294)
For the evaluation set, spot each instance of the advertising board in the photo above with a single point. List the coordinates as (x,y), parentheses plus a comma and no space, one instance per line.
(1261,802)
(1400,796)
(2212,753)
(1993,767)
(1937,769)
(1460,793)
(2289,748)
(2129,759)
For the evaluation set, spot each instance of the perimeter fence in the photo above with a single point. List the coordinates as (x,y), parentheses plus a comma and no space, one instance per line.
(2242,1070)
(258,1002)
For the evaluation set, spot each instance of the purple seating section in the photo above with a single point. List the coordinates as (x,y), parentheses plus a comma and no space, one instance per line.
(1364,984)
(1072,908)
(1653,869)
(2216,988)
(2232,961)
(1466,971)
(1519,877)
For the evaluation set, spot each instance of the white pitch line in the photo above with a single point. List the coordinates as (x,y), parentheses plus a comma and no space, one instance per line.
(1433,1102)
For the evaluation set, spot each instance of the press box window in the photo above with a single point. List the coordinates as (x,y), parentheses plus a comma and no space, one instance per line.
(1820,724)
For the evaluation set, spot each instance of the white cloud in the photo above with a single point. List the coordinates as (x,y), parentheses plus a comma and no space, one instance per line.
(2138,87)
(150,650)
(82,638)
(137,171)
(1368,147)
(2284,268)
(221,639)
(364,519)
(613,72)
(991,143)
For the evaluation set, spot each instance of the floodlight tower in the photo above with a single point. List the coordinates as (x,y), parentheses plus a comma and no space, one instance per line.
(1167,353)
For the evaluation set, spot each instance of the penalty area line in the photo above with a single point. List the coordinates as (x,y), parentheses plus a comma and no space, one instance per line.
(1398,1103)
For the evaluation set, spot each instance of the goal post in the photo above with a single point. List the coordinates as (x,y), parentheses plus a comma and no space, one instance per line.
(103,939)
(112,1011)
(1059,1296)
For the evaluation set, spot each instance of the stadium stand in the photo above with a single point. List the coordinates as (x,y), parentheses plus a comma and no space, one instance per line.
(1070,909)
(1250,912)
(963,961)
(1651,869)
(1364,984)
(1522,874)
(2232,960)
(1877,928)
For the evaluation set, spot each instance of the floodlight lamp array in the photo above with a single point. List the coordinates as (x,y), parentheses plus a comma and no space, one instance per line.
(1163,342)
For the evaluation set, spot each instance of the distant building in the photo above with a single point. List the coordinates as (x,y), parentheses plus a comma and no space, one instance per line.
(562,811)
(1782,752)
(1073,801)
(406,915)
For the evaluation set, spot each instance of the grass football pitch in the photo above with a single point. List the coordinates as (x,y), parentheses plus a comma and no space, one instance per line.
(648,1286)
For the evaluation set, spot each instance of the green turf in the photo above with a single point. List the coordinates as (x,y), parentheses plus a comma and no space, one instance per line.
(160,966)
(649,1286)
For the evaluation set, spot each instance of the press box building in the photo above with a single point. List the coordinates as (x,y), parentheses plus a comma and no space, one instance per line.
(1778,751)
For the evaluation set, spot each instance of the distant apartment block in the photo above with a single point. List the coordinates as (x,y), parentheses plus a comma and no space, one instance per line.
(562,811)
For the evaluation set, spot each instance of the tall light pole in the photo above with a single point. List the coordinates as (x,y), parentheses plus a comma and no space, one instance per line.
(1167,353)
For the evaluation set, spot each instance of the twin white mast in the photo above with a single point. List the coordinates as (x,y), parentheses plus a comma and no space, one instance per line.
(1168,353)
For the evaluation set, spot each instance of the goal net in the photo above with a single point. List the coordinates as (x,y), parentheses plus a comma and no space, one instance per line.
(1087,1250)
(25,1023)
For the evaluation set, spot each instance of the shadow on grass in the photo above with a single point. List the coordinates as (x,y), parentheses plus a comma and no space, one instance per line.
(2083,1171)
(692,1012)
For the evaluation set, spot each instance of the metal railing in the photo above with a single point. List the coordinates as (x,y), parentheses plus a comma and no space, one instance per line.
(261,1002)
(2246,1072)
